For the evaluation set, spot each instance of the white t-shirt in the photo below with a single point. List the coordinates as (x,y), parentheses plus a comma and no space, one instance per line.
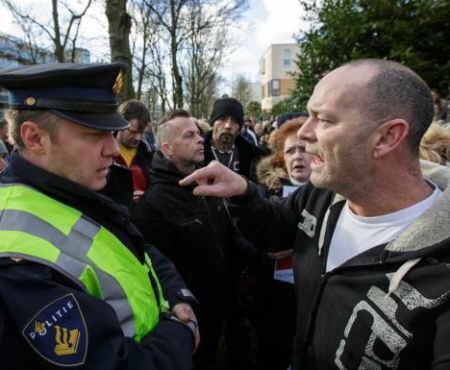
(355,234)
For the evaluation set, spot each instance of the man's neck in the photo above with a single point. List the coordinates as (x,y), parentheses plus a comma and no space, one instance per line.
(187,169)
(390,197)
(183,167)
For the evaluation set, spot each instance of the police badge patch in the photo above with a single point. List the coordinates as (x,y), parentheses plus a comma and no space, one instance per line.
(58,332)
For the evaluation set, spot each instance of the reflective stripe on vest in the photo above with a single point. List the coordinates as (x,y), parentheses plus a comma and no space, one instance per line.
(36,227)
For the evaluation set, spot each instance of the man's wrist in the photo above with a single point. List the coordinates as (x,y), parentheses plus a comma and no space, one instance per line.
(246,197)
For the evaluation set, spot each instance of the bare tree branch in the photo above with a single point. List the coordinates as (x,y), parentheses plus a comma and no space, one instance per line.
(26,21)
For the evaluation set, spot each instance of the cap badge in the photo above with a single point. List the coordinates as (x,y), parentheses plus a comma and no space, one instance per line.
(30,101)
(118,84)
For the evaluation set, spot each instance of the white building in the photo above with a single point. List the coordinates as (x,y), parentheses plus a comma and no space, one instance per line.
(275,65)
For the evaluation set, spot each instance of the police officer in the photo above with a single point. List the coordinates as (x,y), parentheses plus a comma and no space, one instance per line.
(77,287)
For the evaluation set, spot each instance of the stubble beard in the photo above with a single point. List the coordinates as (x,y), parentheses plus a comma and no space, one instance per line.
(226,141)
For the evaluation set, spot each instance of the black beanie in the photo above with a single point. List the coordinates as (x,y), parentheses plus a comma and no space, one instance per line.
(227,107)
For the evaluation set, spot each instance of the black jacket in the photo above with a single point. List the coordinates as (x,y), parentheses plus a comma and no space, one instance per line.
(386,308)
(194,232)
(27,287)
(249,155)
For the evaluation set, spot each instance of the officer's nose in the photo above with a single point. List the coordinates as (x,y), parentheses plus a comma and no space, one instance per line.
(110,149)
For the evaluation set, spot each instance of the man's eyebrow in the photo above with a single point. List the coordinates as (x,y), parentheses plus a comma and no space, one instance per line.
(314,108)
(192,131)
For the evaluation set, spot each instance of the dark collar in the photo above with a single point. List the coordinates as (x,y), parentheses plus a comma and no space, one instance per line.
(164,171)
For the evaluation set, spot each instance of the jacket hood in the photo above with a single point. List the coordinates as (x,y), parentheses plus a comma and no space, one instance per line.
(425,234)
(270,176)
(433,226)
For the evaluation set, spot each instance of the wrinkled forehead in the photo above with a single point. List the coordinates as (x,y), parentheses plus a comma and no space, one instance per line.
(293,140)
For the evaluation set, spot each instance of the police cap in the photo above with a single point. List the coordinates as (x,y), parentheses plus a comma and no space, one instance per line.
(82,93)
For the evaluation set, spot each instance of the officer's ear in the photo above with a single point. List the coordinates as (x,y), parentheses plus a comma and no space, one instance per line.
(34,137)
(166,149)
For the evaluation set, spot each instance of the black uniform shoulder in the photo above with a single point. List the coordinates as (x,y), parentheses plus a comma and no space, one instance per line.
(29,275)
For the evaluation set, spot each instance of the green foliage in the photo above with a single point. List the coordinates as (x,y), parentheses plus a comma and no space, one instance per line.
(283,107)
(253,109)
(413,32)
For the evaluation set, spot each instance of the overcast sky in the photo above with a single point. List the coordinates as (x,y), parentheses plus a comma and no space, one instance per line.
(265,22)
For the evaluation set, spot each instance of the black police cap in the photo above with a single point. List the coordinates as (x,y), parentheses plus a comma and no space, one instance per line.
(82,93)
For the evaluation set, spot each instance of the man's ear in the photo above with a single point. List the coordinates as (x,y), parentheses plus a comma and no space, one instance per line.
(166,149)
(34,137)
(389,136)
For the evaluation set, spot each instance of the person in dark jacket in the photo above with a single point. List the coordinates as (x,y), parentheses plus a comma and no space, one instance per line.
(273,304)
(370,233)
(224,144)
(248,132)
(134,152)
(195,233)
(78,286)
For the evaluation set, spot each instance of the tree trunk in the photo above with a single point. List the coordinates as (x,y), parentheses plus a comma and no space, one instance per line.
(119,26)
(59,49)
(178,93)
(178,86)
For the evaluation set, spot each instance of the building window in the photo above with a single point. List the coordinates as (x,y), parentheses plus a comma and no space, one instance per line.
(275,88)
(287,57)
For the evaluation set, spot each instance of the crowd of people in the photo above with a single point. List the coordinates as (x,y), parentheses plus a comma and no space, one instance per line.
(313,241)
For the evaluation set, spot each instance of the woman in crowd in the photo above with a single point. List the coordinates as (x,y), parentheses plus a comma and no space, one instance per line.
(435,144)
(289,165)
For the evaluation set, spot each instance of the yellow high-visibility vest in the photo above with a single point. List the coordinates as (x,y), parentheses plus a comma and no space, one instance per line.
(36,227)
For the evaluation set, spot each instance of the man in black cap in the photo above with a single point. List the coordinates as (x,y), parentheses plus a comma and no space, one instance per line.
(77,287)
(225,144)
